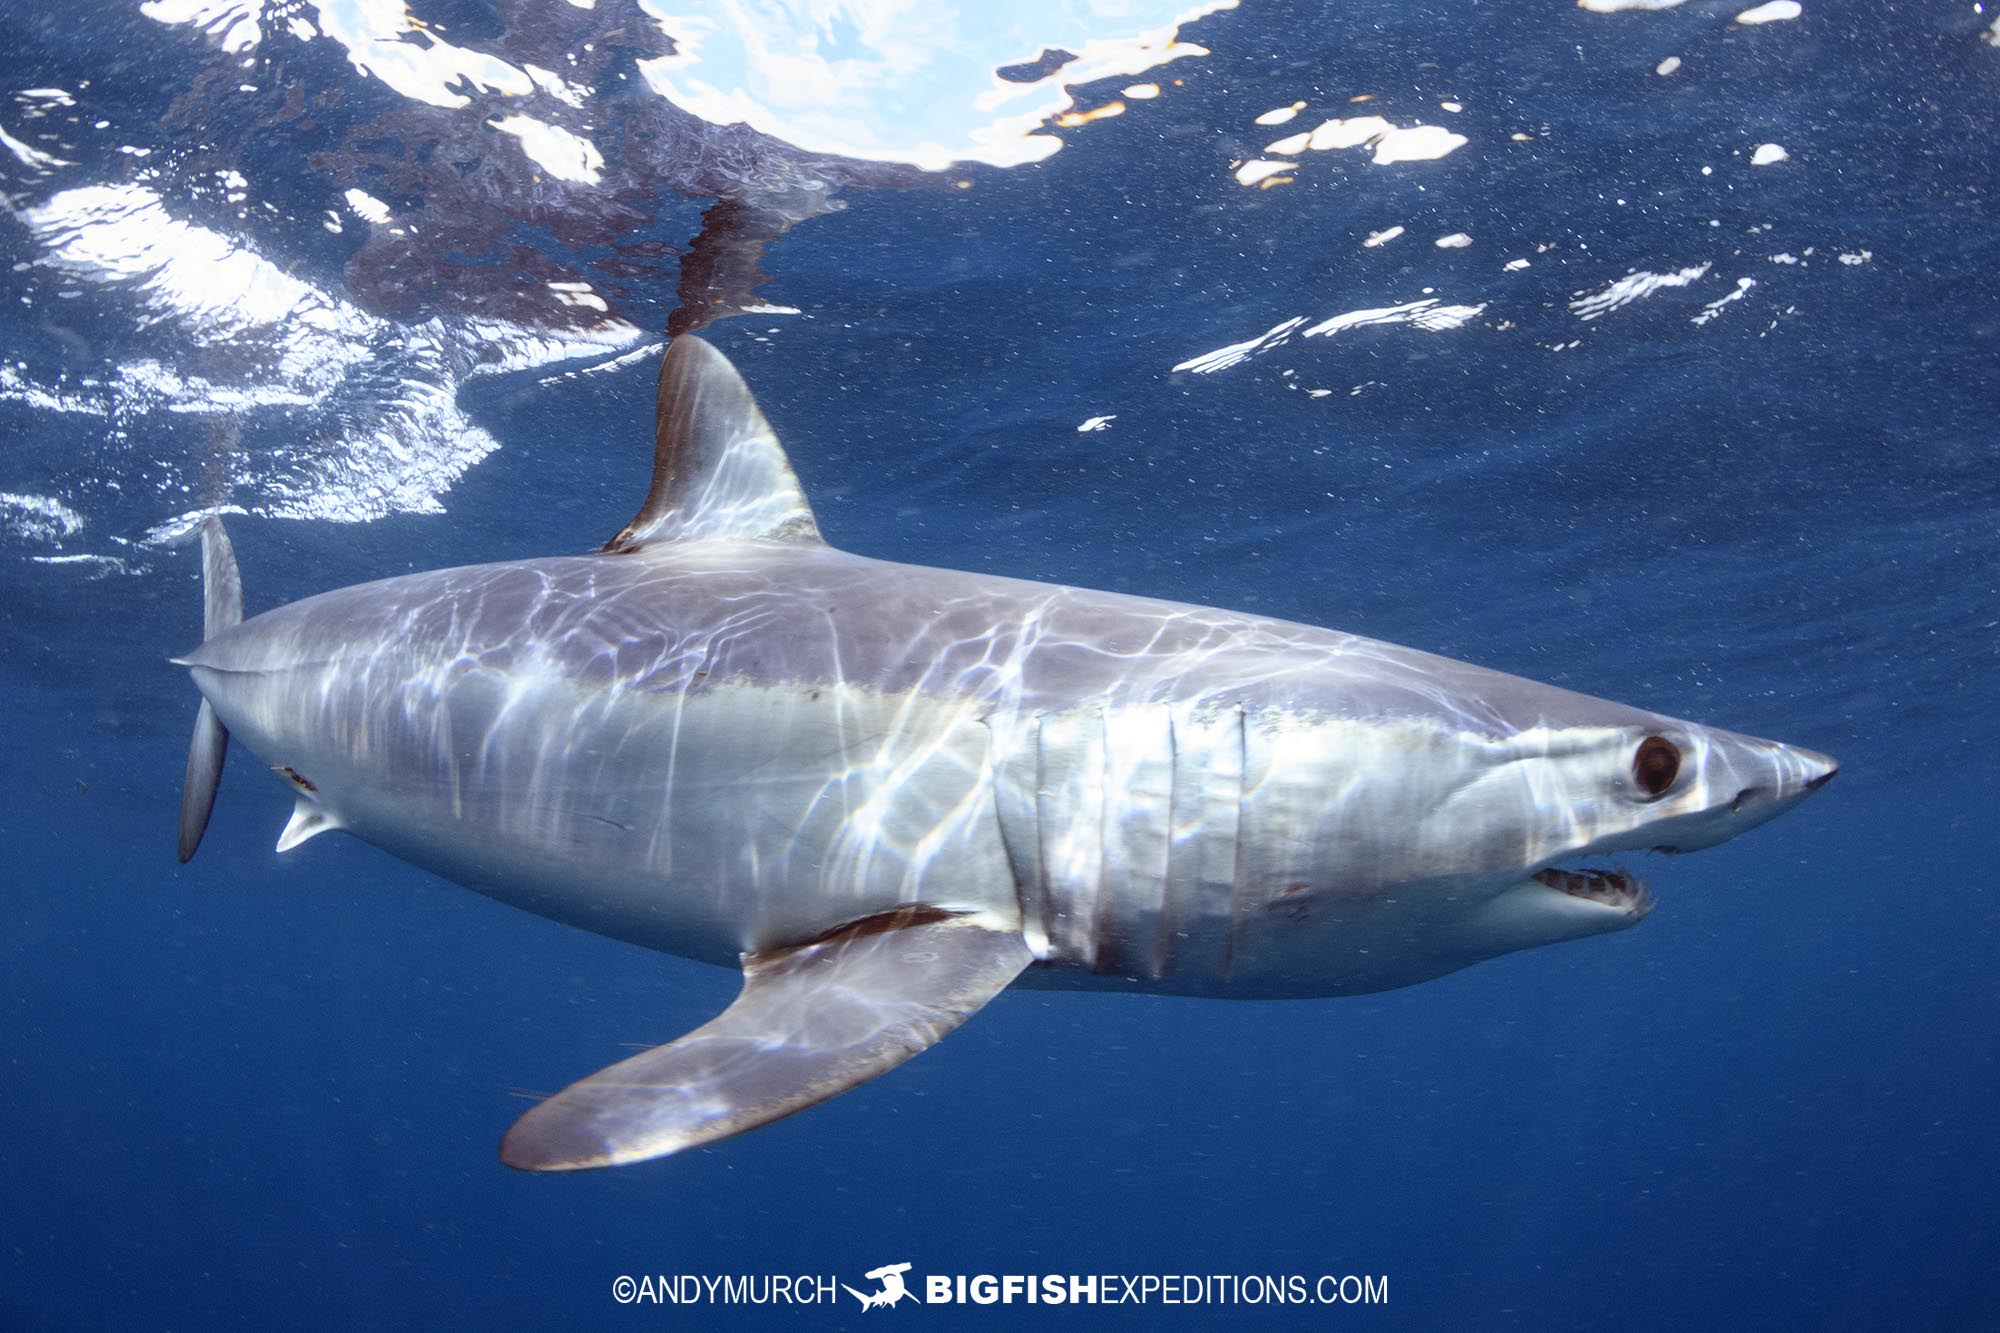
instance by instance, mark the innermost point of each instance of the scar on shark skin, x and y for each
(293, 776)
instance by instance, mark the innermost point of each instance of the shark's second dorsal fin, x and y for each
(718, 469)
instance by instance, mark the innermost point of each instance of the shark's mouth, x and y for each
(1612, 888)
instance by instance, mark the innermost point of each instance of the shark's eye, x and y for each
(1655, 765)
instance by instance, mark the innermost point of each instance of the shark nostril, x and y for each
(1743, 798)
(1814, 784)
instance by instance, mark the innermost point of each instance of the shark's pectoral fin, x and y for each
(812, 1021)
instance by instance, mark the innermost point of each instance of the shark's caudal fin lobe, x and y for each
(222, 594)
(718, 469)
(201, 778)
(812, 1021)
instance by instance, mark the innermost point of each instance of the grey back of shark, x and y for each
(886, 792)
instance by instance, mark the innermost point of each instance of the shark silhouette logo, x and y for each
(893, 1287)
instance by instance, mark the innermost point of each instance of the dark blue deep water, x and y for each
(264, 1091)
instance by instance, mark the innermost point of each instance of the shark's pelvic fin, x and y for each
(222, 594)
(812, 1021)
(718, 469)
(308, 820)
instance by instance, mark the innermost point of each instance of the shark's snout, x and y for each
(1791, 774)
(1741, 782)
(1807, 771)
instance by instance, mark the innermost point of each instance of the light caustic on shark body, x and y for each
(887, 792)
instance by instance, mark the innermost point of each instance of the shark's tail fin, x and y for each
(222, 593)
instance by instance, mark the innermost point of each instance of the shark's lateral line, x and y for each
(886, 791)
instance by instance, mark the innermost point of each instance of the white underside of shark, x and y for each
(887, 792)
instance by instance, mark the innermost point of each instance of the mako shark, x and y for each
(886, 792)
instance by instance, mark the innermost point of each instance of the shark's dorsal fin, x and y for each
(813, 1020)
(718, 469)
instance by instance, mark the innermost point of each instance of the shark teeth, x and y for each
(1613, 888)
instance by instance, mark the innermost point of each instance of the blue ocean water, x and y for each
(262, 1091)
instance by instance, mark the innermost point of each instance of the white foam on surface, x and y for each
(90, 566)
(1417, 143)
(117, 233)
(38, 518)
(1390, 143)
(1715, 307)
(17, 388)
(882, 80)
(562, 154)
(1777, 11)
(383, 40)
(366, 206)
(887, 80)
(903, 82)
(233, 23)
(254, 338)
(1632, 287)
(556, 86)
(1235, 354)
(1258, 170)
(30, 156)
(1428, 315)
